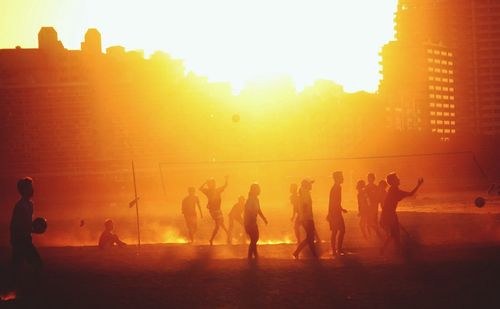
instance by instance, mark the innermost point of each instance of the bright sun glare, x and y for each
(226, 40)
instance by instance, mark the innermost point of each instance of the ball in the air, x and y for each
(39, 225)
(479, 202)
(236, 118)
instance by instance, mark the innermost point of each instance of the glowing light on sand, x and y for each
(171, 236)
(284, 241)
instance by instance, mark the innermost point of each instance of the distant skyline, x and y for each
(225, 40)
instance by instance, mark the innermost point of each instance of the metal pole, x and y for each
(136, 208)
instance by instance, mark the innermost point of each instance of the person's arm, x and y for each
(225, 183)
(419, 183)
(330, 201)
(202, 187)
(199, 207)
(262, 216)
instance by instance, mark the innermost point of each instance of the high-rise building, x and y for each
(92, 43)
(48, 40)
(418, 87)
(471, 31)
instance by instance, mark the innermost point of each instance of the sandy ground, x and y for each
(184, 276)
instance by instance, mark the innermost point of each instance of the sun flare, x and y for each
(227, 41)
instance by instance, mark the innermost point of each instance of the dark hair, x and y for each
(25, 186)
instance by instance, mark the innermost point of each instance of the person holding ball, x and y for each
(21, 227)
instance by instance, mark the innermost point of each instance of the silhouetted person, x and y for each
(335, 217)
(363, 208)
(109, 239)
(189, 204)
(213, 195)
(294, 201)
(20, 232)
(236, 214)
(306, 217)
(381, 193)
(252, 209)
(372, 194)
(389, 219)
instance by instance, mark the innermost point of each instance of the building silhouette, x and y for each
(48, 40)
(92, 43)
(470, 31)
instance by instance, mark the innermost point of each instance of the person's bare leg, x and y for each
(333, 241)
(214, 233)
(340, 244)
(297, 233)
(301, 246)
(230, 231)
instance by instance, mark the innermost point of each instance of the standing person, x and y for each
(381, 193)
(389, 219)
(294, 201)
(335, 217)
(252, 209)
(306, 218)
(189, 204)
(372, 194)
(20, 231)
(213, 194)
(236, 215)
(363, 208)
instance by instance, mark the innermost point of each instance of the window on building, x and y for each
(432, 95)
(452, 98)
(452, 122)
(431, 87)
(452, 105)
(446, 105)
(439, 88)
(439, 105)
(433, 113)
(446, 97)
(433, 121)
(432, 104)
(452, 89)
(453, 131)
(438, 96)
(450, 62)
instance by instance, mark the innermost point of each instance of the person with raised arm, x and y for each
(213, 194)
(389, 218)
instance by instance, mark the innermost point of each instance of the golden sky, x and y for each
(225, 40)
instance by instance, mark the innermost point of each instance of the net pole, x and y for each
(136, 208)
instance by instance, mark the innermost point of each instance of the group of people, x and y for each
(371, 197)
